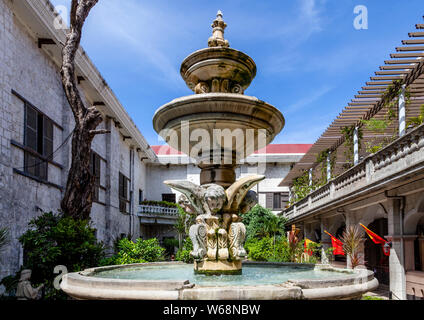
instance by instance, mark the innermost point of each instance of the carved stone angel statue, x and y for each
(25, 291)
(219, 234)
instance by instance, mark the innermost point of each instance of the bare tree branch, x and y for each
(100, 131)
(78, 197)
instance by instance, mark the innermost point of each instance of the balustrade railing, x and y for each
(405, 152)
(148, 210)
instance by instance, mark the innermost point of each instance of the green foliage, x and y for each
(183, 254)
(139, 251)
(272, 250)
(182, 226)
(379, 126)
(163, 204)
(10, 284)
(322, 160)
(261, 222)
(170, 245)
(351, 239)
(301, 188)
(348, 133)
(57, 240)
(376, 125)
(416, 121)
(371, 298)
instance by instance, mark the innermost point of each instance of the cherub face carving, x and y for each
(215, 198)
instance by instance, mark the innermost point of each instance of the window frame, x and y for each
(173, 195)
(37, 155)
(95, 170)
(123, 187)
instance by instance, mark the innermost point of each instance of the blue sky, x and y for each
(310, 58)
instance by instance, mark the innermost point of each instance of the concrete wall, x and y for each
(30, 72)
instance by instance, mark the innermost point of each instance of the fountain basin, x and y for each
(218, 62)
(224, 111)
(259, 281)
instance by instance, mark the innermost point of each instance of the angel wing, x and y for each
(193, 192)
(238, 190)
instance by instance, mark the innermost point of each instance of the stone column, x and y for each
(355, 146)
(402, 112)
(396, 259)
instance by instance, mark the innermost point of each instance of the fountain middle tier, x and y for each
(218, 130)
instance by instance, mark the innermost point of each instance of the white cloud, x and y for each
(308, 99)
(306, 21)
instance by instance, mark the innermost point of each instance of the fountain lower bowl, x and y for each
(259, 281)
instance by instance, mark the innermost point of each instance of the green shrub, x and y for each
(261, 222)
(57, 240)
(260, 249)
(163, 204)
(170, 244)
(183, 254)
(139, 251)
(273, 250)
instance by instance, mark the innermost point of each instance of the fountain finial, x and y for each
(217, 39)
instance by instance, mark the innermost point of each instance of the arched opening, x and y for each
(375, 259)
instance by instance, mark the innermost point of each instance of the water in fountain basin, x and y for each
(252, 275)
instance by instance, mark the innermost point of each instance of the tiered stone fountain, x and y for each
(218, 75)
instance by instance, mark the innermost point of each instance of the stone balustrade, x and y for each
(402, 157)
(146, 210)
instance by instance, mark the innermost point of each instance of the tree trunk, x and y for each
(78, 197)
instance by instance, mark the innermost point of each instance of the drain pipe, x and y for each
(401, 217)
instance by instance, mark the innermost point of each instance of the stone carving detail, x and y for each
(217, 85)
(237, 89)
(219, 233)
(237, 236)
(217, 39)
(201, 87)
(198, 238)
(25, 291)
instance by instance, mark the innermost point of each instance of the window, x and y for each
(38, 138)
(169, 197)
(277, 200)
(123, 193)
(140, 196)
(95, 171)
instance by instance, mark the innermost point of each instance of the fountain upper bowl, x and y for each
(218, 63)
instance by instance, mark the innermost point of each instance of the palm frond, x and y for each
(4, 237)
(351, 239)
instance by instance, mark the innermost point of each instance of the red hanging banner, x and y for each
(337, 245)
(377, 240)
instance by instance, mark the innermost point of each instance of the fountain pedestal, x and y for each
(217, 267)
(218, 126)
